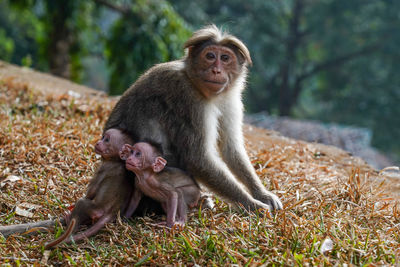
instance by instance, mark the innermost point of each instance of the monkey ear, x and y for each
(159, 164)
(189, 51)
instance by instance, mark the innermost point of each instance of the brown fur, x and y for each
(107, 194)
(173, 188)
(198, 127)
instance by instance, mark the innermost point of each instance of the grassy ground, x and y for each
(335, 212)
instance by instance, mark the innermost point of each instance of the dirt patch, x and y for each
(45, 83)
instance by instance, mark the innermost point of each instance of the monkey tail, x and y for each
(64, 236)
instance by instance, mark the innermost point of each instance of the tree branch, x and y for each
(29, 228)
(123, 10)
(337, 61)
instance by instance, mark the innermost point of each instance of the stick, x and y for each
(29, 228)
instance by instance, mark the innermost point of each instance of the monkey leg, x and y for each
(67, 217)
(181, 213)
(191, 194)
(172, 205)
(87, 211)
(92, 230)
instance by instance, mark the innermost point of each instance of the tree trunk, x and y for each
(293, 41)
(60, 38)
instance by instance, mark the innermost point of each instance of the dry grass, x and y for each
(47, 142)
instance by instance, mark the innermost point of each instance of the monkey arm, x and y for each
(239, 163)
(235, 156)
(214, 173)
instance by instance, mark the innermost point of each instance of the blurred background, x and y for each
(324, 70)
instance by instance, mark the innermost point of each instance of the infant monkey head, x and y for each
(142, 157)
(111, 143)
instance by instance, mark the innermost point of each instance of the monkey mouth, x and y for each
(221, 83)
(130, 166)
(215, 87)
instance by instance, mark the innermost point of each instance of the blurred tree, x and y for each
(291, 41)
(18, 33)
(64, 21)
(53, 29)
(65, 32)
(147, 32)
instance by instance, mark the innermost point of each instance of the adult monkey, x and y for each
(192, 107)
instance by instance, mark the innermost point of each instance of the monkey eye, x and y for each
(210, 56)
(138, 154)
(225, 58)
(106, 139)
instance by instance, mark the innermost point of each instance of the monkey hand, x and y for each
(270, 199)
(125, 151)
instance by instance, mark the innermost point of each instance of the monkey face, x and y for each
(107, 147)
(136, 159)
(142, 157)
(102, 146)
(215, 67)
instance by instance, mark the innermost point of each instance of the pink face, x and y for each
(137, 159)
(141, 157)
(110, 144)
(216, 66)
(104, 146)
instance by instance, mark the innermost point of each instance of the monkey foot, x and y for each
(179, 224)
(67, 217)
(176, 225)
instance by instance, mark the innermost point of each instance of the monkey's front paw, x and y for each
(271, 200)
(125, 151)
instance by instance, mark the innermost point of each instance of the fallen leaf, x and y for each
(10, 179)
(23, 213)
(24, 209)
(45, 258)
(326, 246)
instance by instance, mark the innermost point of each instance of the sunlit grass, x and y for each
(47, 141)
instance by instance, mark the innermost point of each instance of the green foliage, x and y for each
(19, 32)
(6, 46)
(150, 33)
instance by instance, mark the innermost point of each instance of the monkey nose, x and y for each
(216, 70)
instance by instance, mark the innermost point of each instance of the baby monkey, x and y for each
(108, 192)
(172, 187)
